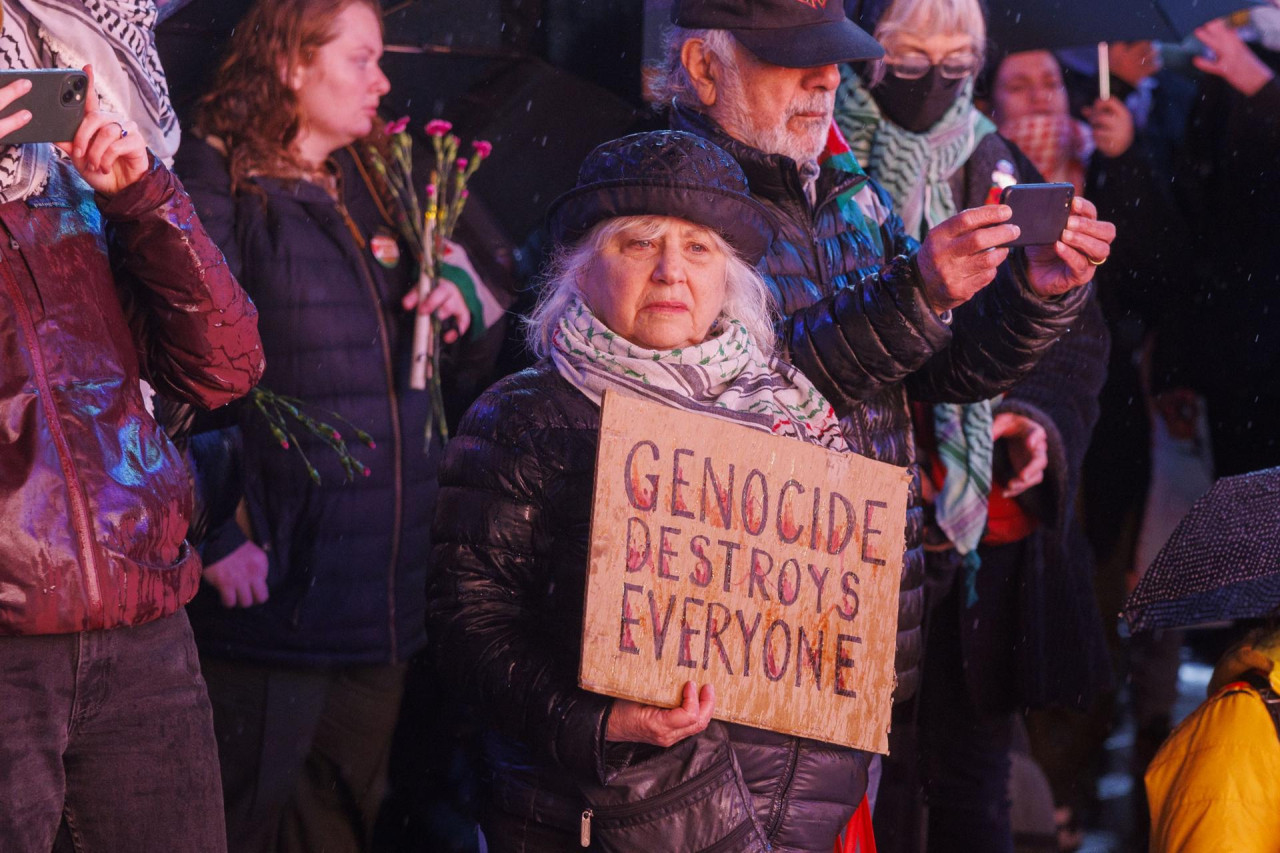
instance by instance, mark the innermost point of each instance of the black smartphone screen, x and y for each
(1040, 210)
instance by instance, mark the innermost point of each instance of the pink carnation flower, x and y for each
(462, 163)
(483, 148)
(438, 127)
(397, 126)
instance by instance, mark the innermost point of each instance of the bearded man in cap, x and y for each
(873, 318)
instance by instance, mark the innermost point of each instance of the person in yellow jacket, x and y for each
(1215, 783)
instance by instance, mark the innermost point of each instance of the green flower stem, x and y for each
(278, 410)
(426, 230)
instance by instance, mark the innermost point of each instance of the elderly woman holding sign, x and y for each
(652, 294)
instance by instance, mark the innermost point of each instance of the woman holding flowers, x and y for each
(314, 595)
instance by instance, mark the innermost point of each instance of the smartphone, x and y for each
(1040, 210)
(56, 102)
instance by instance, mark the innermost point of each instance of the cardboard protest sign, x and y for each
(766, 566)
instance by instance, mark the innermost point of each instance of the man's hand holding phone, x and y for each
(107, 151)
(959, 256)
(1070, 261)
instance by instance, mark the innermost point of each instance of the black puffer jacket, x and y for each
(857, 324)
(505, 607)
(348, 561)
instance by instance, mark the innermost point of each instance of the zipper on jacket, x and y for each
(656, 803)
(784, 790)
(393, 402)
(855, 417)
(626, 810)
(733, 842)
(75, 492)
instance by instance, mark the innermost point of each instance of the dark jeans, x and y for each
(303, 752)
(111, 731)
(964, 751)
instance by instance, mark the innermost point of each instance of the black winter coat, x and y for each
(857, 324)
(505, 606)
(348, 560)
(1228, 185)
(1043, 632)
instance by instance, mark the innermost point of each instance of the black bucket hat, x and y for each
(664, 173)
(790, 33)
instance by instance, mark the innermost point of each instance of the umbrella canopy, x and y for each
(166, 8)
(1015, 25)
(1185, 15)
(1222, 561)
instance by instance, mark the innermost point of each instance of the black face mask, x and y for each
(916, 105)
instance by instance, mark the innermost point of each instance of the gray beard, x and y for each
(775, 139)
(771, 137)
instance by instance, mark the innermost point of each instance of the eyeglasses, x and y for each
(955, 66)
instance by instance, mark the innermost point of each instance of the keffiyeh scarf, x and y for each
(913, 167)
(725, 376)
(1057, 145)
(117, 38)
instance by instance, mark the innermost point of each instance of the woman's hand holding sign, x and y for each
(637, 723)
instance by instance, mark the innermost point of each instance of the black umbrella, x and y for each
(1222, 561)
(1015, 25)
(1185, 15)
(166, 8)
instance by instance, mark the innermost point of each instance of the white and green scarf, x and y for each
(915, 168)
(725, 376)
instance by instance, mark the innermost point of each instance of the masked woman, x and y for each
(652, 292)
(1009, 579)
(314, 601)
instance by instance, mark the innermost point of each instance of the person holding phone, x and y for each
(872, 315)
(1006, 567)
(106, 278)
(314, 598)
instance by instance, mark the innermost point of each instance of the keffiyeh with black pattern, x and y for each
(117, 38)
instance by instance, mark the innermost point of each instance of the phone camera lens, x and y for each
(68, 97)
(77, 84)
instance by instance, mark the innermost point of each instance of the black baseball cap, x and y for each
(790, 33)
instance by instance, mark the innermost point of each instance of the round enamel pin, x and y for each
(385, 249)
